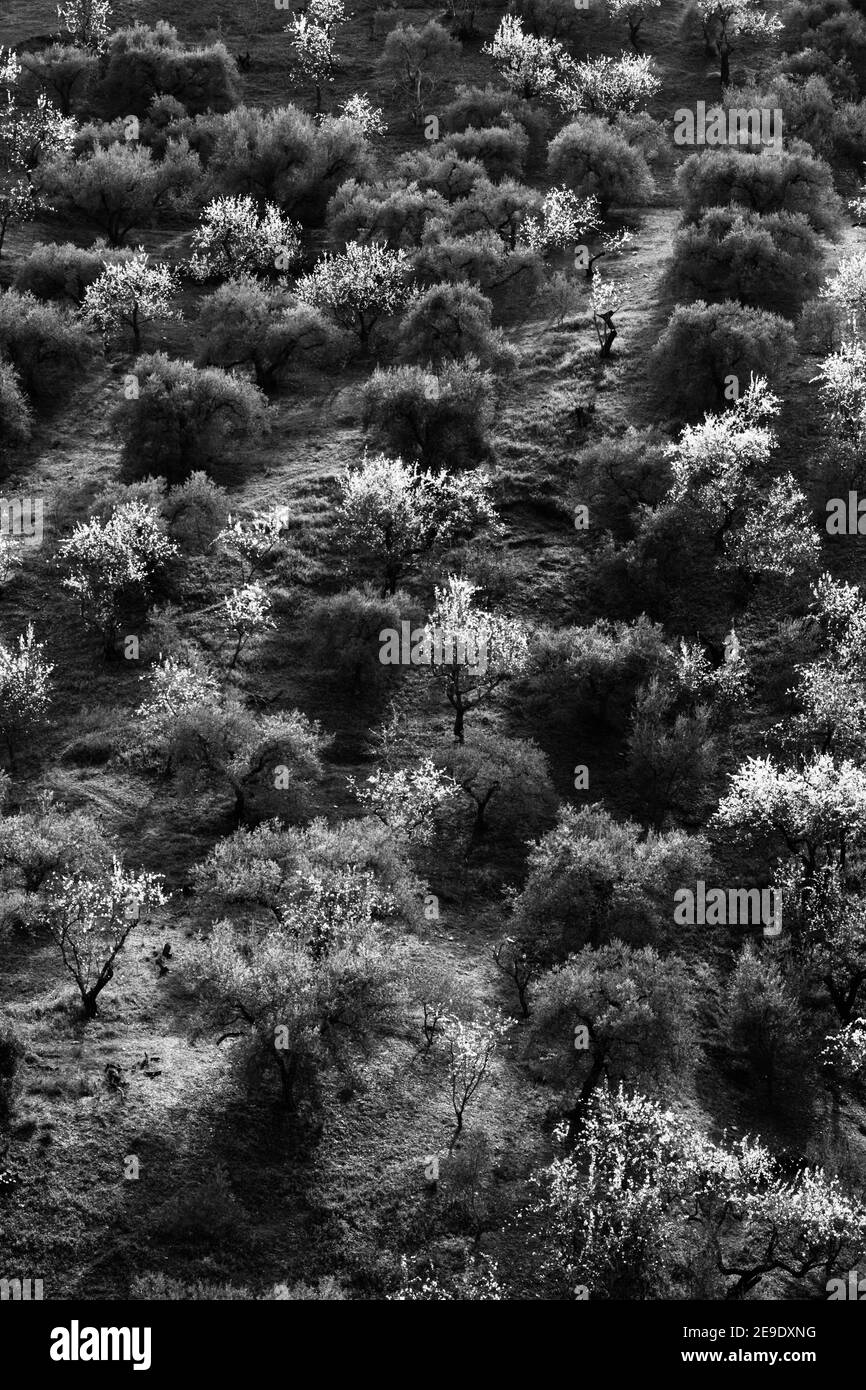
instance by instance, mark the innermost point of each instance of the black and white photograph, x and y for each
(432, 666)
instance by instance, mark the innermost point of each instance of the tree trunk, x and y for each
(575, 1115)
(725, 62)
(88, 999)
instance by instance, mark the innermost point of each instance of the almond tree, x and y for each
(604, 86)
(472, 650)
(634, 12)
(25, 685)
(129, 294)
(817, 812)
(86, 21)
(470, 1045)
(90, 919)
(846, 289)
(234, 238)
(759, 1221)
(612, 1214)
(532, 67)
(392, 514)
(360, 109)
(313, 36)
(726, 20)
(257, 541)
(607, 300)
(407, 799)
(563, 220)
(29, 136)
(247, 613)
(362, 285)
(721, 479)
(108, 563)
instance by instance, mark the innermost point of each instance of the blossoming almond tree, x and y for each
(25, 683)
(313, 37)
(107, 563)
(247, 613)
(532, 67)
(392, 513)
(563, 219)
(362, 285)
(725, 20)
(90, 919)
(603, 86)
(470, 1046)
(634, 12)
(473, 650)
(86, 21)
(129, 294)
(28, 136)
(234, 239)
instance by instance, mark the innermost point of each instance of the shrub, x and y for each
(480, 260)
(63, 73)
(619, 475)
(418, 63)
(187, 724)
(245, 322)
(637, 1009)
(120, 187)
(763, 183)
(592, 157)
(671, 754)
(65, 272)
(763, 260)
(762, 1018)
(703, 346)
(142, 62)
(501, 149)
(183, 416)
(379, 211)
(11, 1055)
(196, 512)
(15, 417)
(309, 992)
(593, 879)
(481, 107)
(158, 1287)
(452, 321)
(281, 156)
(51, 840)
(437, 419)
(500, 207)
(441, 171)
(505, 781)
(46, 346)
(344, 635)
